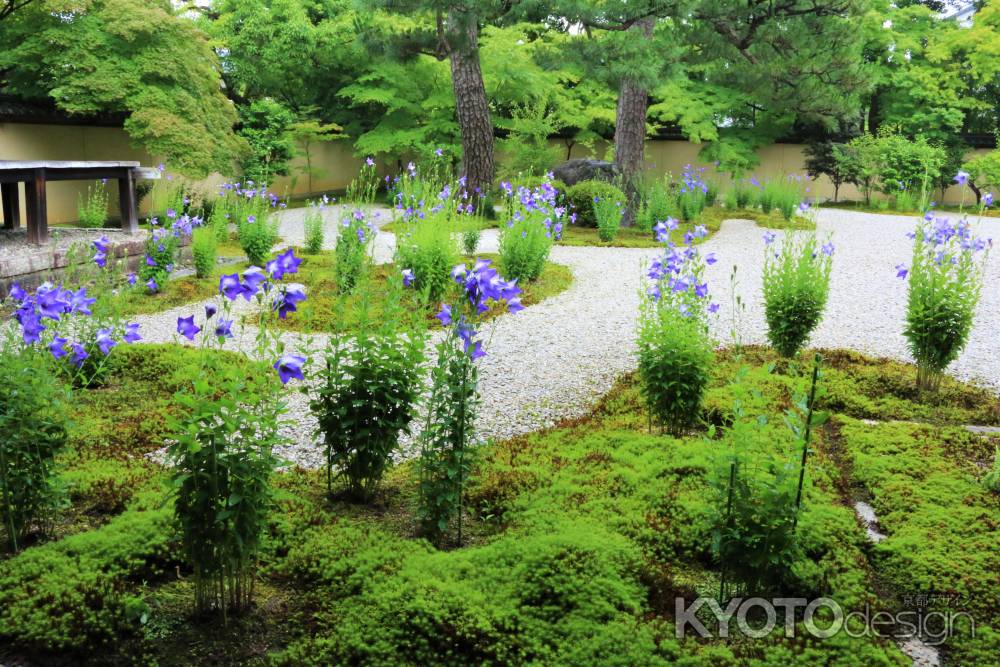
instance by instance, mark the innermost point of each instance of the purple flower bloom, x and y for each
(80, 303)
(79, 354)
(710, 259)
(151, 284)
(150, 261)
(101, 256)
(961, 177)
(769, 238)
(224, 328)
(284, 263)
(132, 333)
(514, 305)
(827, 249)
(408, 277)
(445, 314)
(289, 366)
(291, 295)
(104, 341)
(17, 293)
(713, 308)
(370, 162)
(988, 199)
(701, 291)
(251, 219)
(58, 347)
(132, 278)
(438, 152)
(229, 285)
(901, 271)
(252, 279)
(187, 328)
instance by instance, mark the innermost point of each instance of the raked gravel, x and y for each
(552, 360)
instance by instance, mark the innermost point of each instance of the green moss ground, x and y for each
(578, 538)
(324, 311)
(712, 218)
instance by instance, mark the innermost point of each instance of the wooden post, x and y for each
(11, 205)
(37, 215)
(127, 204)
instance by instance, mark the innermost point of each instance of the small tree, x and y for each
(858, 160)
(307, 133)
(266, 125)
(822, 160)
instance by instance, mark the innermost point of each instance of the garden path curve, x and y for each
(552, 360)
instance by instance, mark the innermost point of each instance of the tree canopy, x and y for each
(131, 56)
(232, 84)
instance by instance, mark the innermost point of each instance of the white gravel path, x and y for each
(555, 358)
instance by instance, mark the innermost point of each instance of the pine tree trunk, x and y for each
(630, 128)
(471, 105)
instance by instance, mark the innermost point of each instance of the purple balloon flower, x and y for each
(445, 314)
(80, 303)
(408, 277)
(104, 341)
(988, 199)
(961, 177)
(132, 333)
(79, 355)
(58, 347)
(17, 293)
(186, 327)
(289, 366)
(210, 310)
(224, 328)
(101, 256)
(229, 285)
(291, 295)
(132, 278)
(151, 284)
(901, 271)
(252, 280)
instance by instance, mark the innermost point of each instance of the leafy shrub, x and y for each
(740, 195)
(313, 229)
(654, 205)
(93, 210)
(351, 252)
(160, 258)
(71, 596)
(692, 196)
(366, 394)
(788, 195)
(675, 352)
(675, 356)
(533, 225)
(33, 404)
(222, 453)
(945, 282)
(428, 248)
(581, 198)
(204, 249)
(796, 287)
(609, 218)
(257, 234)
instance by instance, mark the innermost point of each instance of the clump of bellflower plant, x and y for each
(222, 449)
(351, 254)
(250, 207)
(534, 223)
(313, 226)
(674, 348)
(446, 456)
(692, 195)
(796, 288)
(430, 222)
(57, 334)
(365, 394)
(945, 283)
(608, 214)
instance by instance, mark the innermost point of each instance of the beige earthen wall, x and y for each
(334, 160)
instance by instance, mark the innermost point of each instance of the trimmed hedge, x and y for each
(580, 197)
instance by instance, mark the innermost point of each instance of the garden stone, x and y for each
(574, 171)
